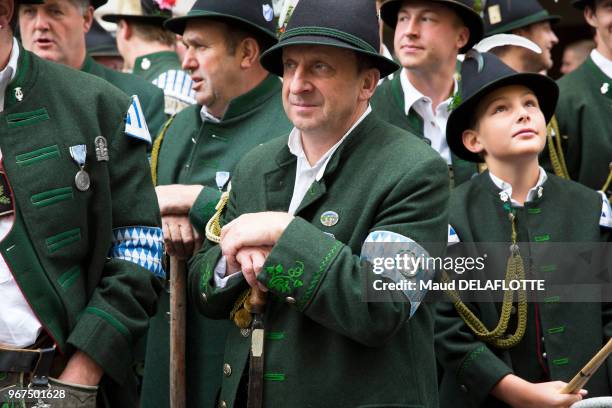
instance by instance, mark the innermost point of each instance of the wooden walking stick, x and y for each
(584, 375)
(178, 317)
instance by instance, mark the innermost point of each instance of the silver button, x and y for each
(544, 354)
(222, 404)
(193, 139)
(290, 300)
(245, 332)
(463, 388)
(227, 370)
(204, 297)
(168, 316)
(186, 166)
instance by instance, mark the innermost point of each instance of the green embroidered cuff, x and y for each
(298, 262)
(204, 208)
(479, 372)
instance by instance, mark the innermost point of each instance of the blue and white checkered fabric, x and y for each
(606, 212)
(176, 84)
(143, 246)
(135, 122)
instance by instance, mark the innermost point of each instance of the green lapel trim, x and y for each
(156, 58)
(24, 79)
(599, 77)
(268, 88)
(414, 121)
(110, 319)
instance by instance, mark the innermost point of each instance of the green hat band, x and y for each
(328, 32)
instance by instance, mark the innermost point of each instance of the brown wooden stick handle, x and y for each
(257, 300)
(178, 314)
(588, 370)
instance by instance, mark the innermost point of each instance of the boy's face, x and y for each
(601, 20)
(510, 126)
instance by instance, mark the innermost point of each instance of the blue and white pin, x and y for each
(268, 12)
(79, 155)
(329, 218)
(221, 179)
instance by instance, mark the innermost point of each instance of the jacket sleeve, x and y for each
(125, 295)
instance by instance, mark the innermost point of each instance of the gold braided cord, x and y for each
(608, 182)
(213, 226)
(498, 337)
(157, 147)
(555, 150)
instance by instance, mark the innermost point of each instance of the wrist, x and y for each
(510, 390)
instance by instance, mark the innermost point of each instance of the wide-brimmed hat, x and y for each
(482, 74)
(153, 12)
(464, 8)
(100, 43)
(503, 16)
(253, 15)
(326, 22)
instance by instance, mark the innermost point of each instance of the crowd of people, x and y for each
(270, 156)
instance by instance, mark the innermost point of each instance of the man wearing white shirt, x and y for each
(300, 209)
(428, 37)
(585, 105)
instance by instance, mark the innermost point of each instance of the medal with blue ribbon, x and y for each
(79, 155)
(221, 179)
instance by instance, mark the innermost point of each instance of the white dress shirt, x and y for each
(305, 175)
(8, 73)
(602, 63)
(506, 193)
(434, 123)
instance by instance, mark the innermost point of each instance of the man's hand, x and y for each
(252, 230)
(250, 260)
(519, 393)
(81, 370)
(177, 198)
(180, 238)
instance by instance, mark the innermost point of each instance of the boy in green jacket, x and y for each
(502, 121)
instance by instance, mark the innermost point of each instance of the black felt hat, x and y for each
(145, 11)
(466, 10)
(253, 15)
(503, 16)
(100, 43)
(482, 74)
(325, 22)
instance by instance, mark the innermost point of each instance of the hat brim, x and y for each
(524, 22)
(545, 89)
(178, 24)
(471, 19)
(272, 59)
(114, 18)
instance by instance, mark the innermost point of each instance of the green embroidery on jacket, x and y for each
(206, 276)
(3, 198)
(274, 377)
(473, 355)
(284, 283)
(317, 275)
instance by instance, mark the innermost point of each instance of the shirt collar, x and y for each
(413, 95)
(506, 193)
(207, 117)
(9, 72)
(297, 149)
(602, 62)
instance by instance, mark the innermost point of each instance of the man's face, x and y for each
(55, 30)
(542, 34)
(570, 62)
(321, 89)
(511, 125)
(601, 20)
(427, 35)
(213, 69)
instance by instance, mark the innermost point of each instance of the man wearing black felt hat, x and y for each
(428, 37)
(300, 209)
(238, 107)
(62, 40)
(528, 19)
(585, 105)
(148, 49)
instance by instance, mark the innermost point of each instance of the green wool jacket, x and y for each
(388, 103)
(584, 113)
(64, 250)
(192, 152)
(325, 345)
(569, 333)
(163, 69)
(151, 98)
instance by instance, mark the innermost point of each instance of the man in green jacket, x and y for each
(428, 37)
(148, 50)
(585, 105)
(81, 244)
(300, 208)
(56, 31)
(239, 107)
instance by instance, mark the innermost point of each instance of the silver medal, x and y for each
(82, 180)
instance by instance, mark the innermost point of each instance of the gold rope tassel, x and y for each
(213, 226)
(498, 337)
(555, 150)
(607, 183)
